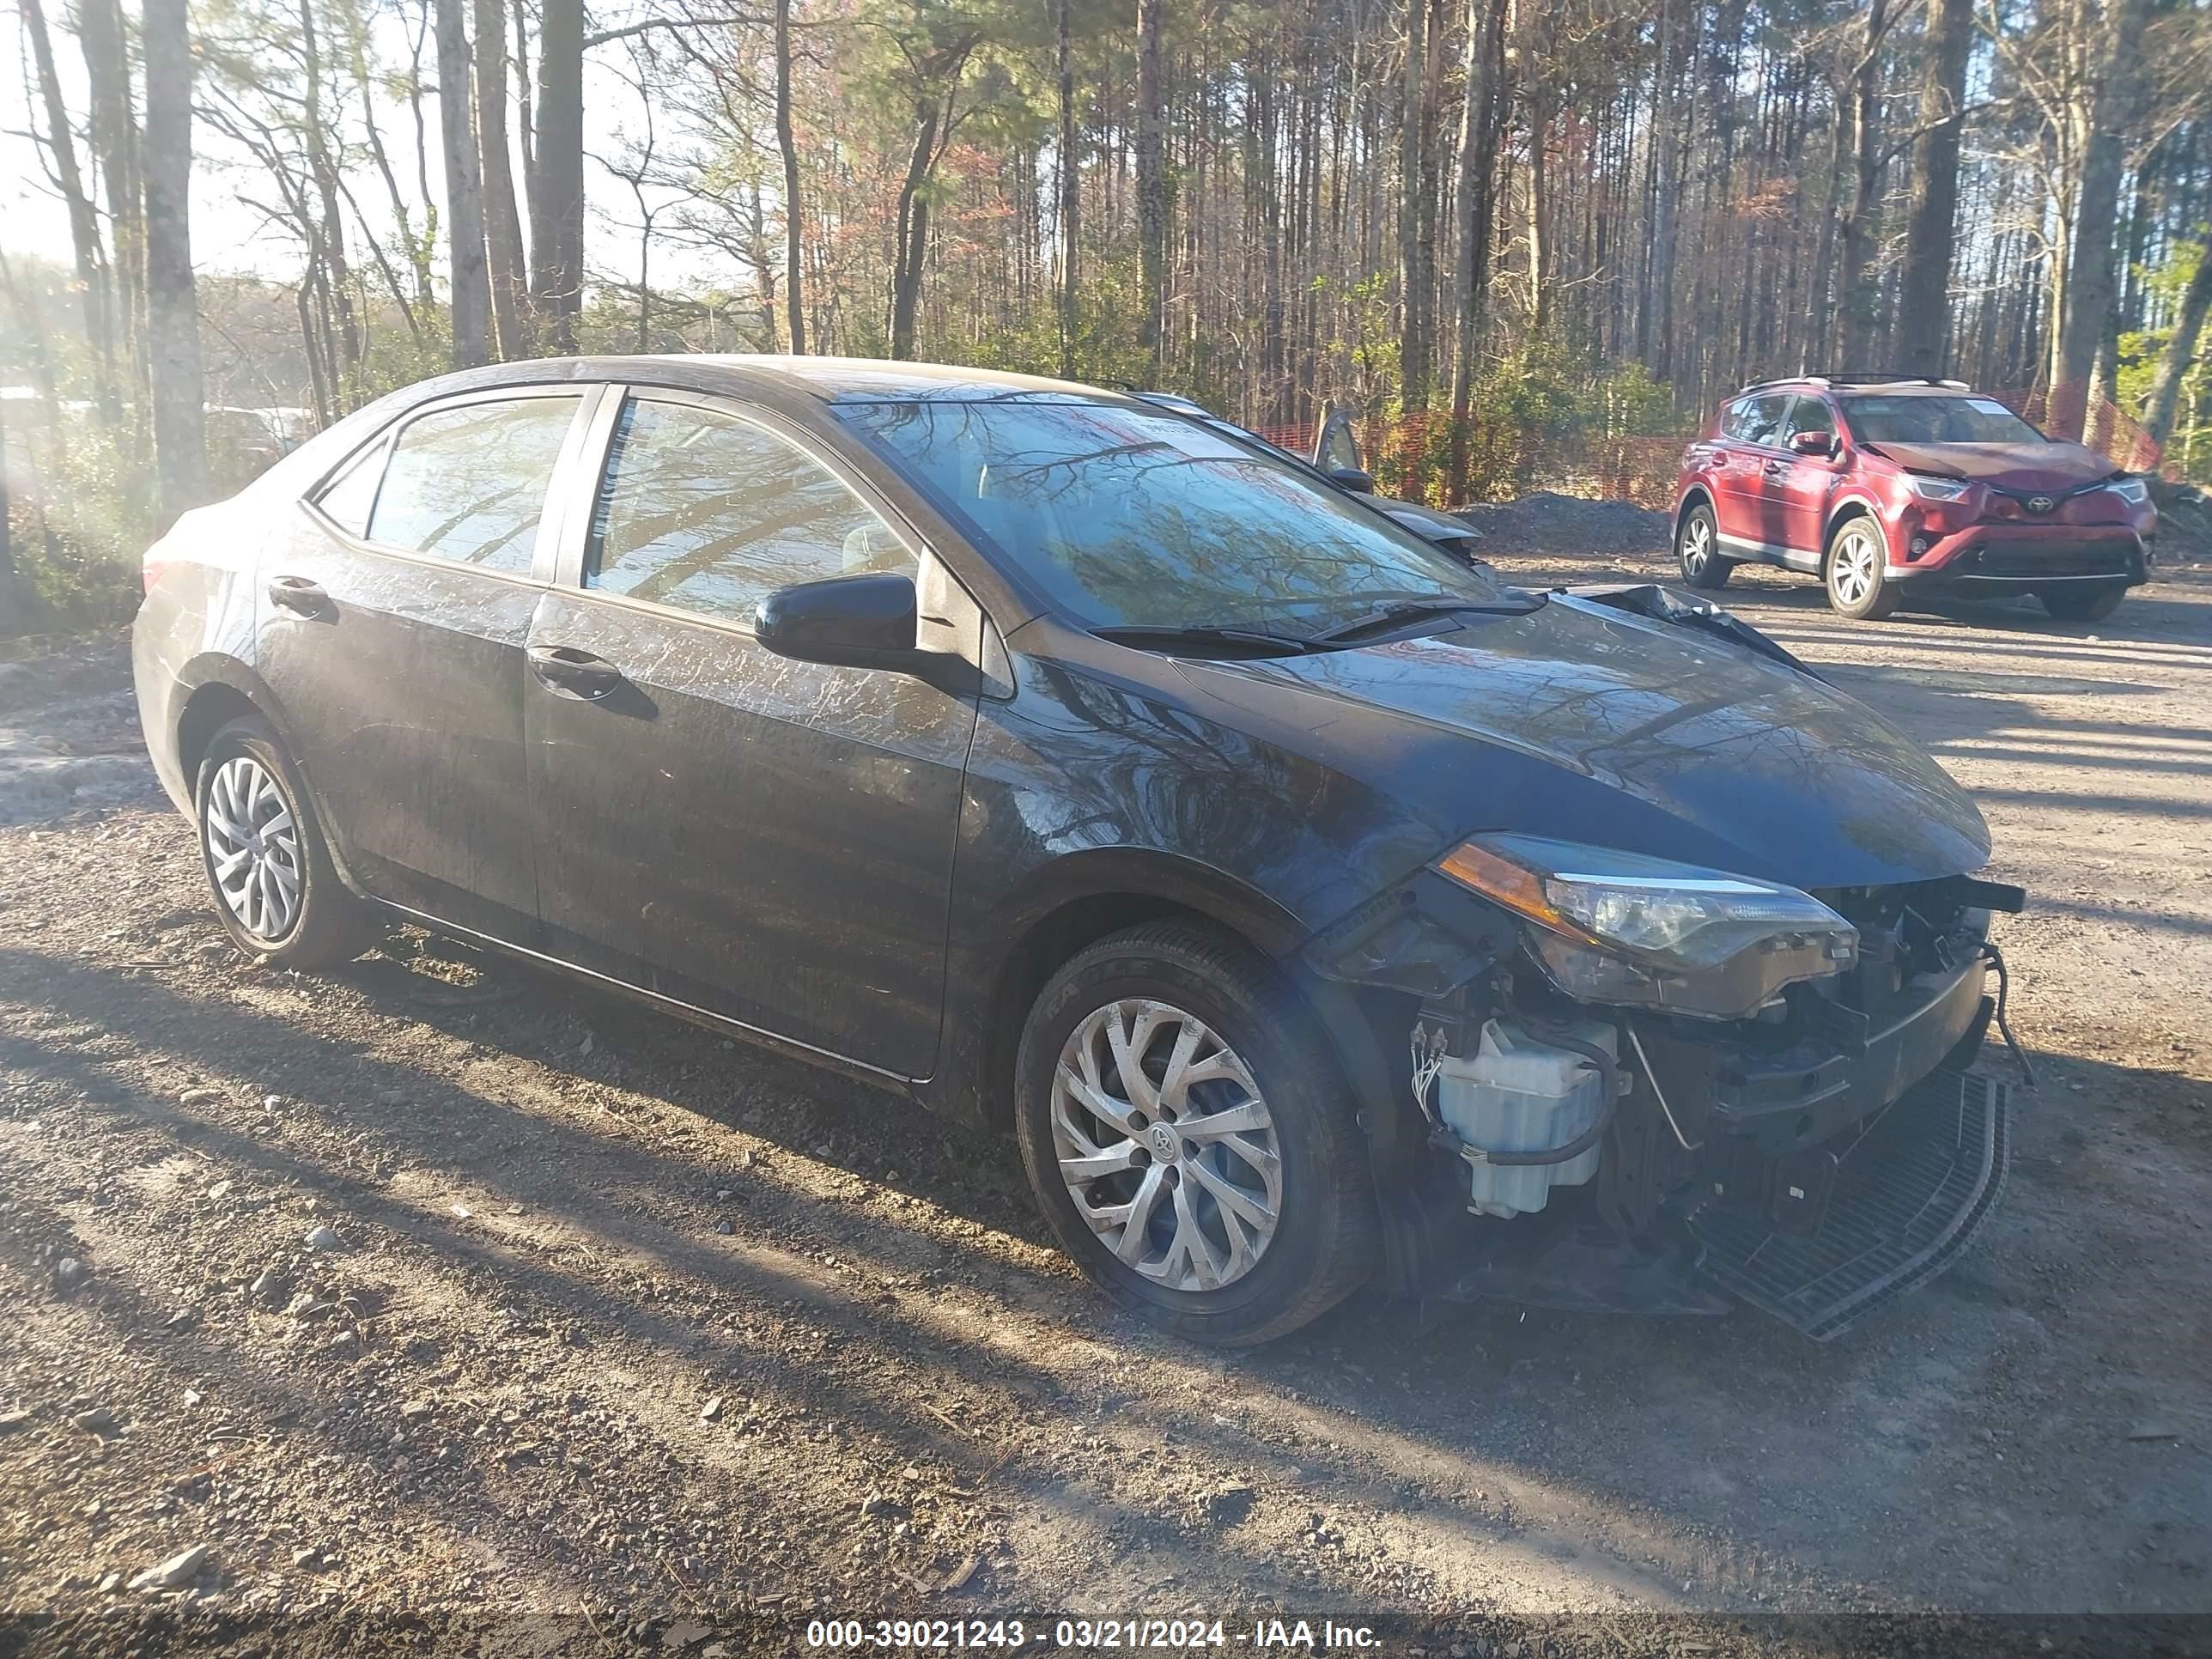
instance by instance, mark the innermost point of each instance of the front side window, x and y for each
(469, 483)
(710, 513)
(1810, 414)
(1926, 419)
(1132, 518)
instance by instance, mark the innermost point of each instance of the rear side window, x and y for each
(710, 513)
(1757, 420)
(469, 483)
(349, 496)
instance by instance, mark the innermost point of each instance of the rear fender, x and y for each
(210, 670)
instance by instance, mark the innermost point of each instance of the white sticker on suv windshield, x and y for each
(1987, 405)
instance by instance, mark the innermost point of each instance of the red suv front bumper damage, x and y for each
(2003, 550)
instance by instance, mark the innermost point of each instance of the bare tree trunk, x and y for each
(1931, 215)
(1071, 184)
(416, 248)
(1413, 345)
(173, 304)
(794, 304)
(92, 273)
(1540, 123)
(557, 222)
(1471, 263)
(1152, 183)
(2104, 98)
(2174, 363)
(502, 227)
(1856, 239)
(913, 230)
(324, 170)
(114, 141)
(526, 132)
(464, 230)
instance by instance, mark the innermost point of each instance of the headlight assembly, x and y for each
(2133, 491)
(1939, 490)
(1618, 928)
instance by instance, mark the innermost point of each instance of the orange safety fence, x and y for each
(1427, 457)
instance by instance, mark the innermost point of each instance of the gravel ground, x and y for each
(435, 1301)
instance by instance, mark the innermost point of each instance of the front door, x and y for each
(393, 613)
(768, 840)
(1802, 487)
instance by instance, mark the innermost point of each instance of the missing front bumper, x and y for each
(1902, 1201)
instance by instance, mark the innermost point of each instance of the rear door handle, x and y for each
(298, 595)
(1773, 467)
(568, 669)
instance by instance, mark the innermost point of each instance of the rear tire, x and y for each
(2082, 603)
(1272, 1205)
(275, 889)
(1853, 572)
(1696, 550)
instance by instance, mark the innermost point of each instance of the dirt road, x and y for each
(625, 1338)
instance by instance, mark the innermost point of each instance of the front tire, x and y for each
(275, 888)
(1853, 570)
(2084, 603)
(1696, 550)
(1190, 1138)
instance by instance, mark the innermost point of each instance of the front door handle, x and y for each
(568, 669)
(298, 595)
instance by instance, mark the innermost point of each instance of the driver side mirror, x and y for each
(1353, 479)
(1820, 442)
(866, 621)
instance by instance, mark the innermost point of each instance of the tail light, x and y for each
(150, 572)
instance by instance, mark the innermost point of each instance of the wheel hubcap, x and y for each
(1166, 1146)
(1697, 543)
(1854, 576)
(253, 847)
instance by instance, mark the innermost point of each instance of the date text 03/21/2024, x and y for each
(1167, 1635)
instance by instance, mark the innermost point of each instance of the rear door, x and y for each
(1748, 429)
(393, 614)
(768, 840)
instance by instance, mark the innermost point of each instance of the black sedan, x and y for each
(1309, 904)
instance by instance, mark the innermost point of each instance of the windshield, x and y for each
(1925, 420)
(1129, 518)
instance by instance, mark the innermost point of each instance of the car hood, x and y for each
(1426, 521)
(1590, 725)
(2009, 467)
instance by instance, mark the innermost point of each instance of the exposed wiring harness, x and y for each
(1995, 959)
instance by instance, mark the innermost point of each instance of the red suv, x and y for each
(1898, 490)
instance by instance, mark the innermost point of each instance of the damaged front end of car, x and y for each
(1634, 1084)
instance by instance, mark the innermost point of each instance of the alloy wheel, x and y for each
(1697, 545)
(253, 847)
(1856, 568)
(1166, 1145)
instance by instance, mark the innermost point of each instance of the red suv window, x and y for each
(1757, 420)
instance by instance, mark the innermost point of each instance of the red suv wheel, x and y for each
(1857, 586)
(1698, 550)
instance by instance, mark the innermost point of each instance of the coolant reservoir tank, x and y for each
(1517, 1093)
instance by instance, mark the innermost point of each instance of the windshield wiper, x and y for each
(1202, 634)
(1511, 602)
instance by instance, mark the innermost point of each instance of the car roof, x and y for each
(832, 379)
(1846, 386)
